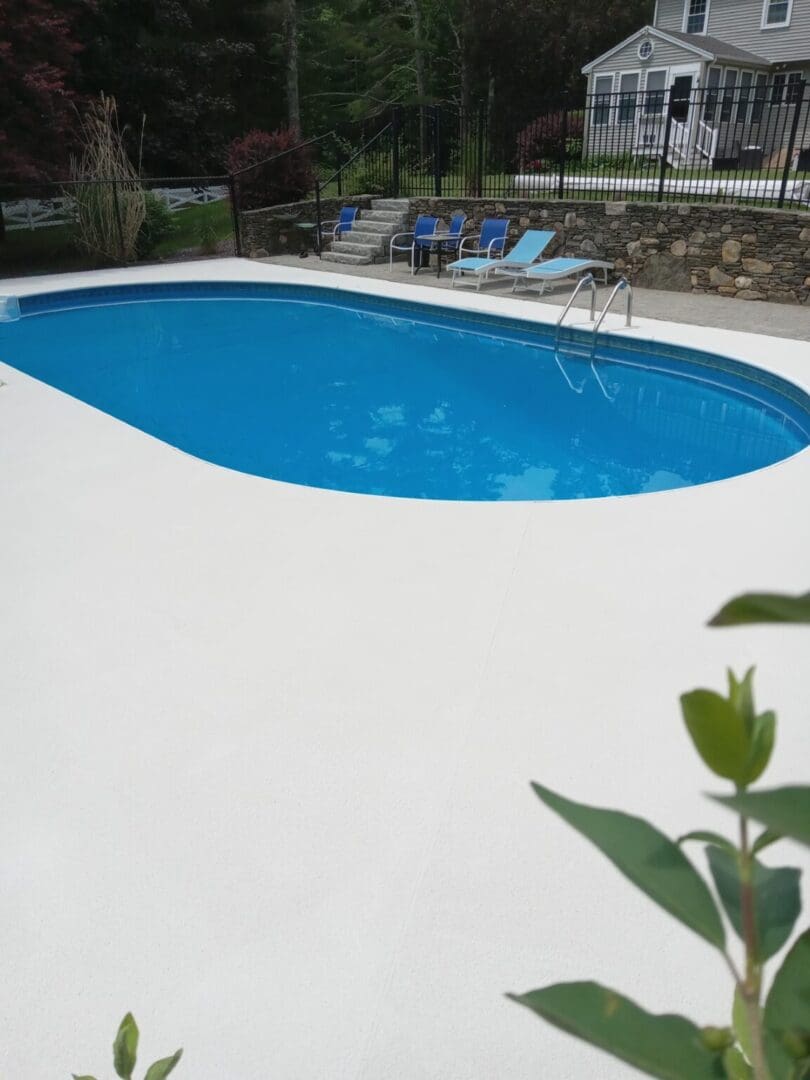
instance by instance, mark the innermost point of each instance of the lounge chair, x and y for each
(417, 243)
(555, 270)
(527, 250)
(334, 230)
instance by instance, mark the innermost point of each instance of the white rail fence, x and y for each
(45, 213)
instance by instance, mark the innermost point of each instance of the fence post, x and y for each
(563, 146)
(395, 120)
(318, 218)
(237, 226)
(437, 151)
(665, 148)
(119, 226)
(794, 127)
(479, 179)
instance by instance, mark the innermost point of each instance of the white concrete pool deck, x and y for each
(267, 748)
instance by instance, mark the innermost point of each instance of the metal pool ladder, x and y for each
(621, 284)
(588, 279)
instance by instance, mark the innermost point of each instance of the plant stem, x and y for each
(750, 986)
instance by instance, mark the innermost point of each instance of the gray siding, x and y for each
(738, 23)
(663, 56)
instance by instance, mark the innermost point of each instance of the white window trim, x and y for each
(610, 103)
(705, 29)
(664, 90)
(765, 25)
(632, 71)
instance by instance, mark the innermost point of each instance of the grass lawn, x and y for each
(54, 250)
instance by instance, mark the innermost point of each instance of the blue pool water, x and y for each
(340, 391)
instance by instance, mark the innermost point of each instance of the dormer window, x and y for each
(776, 13)
(695, 16)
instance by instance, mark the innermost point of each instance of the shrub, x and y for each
(207, 237)
(538, 144)
(157, 224)
(288, 179)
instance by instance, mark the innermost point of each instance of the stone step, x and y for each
(339, 257)
(394, 217)
(379, 228)
(349, 247)
(402, 205)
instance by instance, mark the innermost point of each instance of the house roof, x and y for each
(708, 48)
(720, 49)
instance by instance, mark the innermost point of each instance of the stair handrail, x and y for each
(319, 187)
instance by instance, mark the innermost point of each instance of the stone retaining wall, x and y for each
(272, 230)
(750, 254)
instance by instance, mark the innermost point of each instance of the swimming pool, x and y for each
(338, 390)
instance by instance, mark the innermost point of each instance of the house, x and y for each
(721, 82)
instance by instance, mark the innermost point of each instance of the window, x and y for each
(744, 99)
(603, 85)
(645, 49)
(776, 13)
(787, 88)
(656, 90)
(727, 106)
(695, 16)
(760, 96)
(628, 95)
(712, 94)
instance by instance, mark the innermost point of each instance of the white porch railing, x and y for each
(679, 143)
(707, 138)
(45, 213)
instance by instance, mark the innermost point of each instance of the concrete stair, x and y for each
(371, 233)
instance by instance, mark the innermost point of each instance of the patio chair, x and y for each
(527, 250)
(556, 270)
(334, 229)
(416, 242)
(455, 234)
(490, 242)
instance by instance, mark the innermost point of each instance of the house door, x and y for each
(683, 81)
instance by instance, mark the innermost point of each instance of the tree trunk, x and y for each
(419, 65)
(291, 50)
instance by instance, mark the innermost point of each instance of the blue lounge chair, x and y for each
(527, 250)
(416, 242)
(335, 228)
(555, 270)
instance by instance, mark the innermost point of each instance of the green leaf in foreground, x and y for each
(737, 1068)
(669, 1047)
(706, 837)
(77, 1077)
(125, 1047)
(159, 1070)
(784, 810)
(718, 732)
(787, 1009)
(763, 608)
(777, 898)
(649, 859)
(765, 839)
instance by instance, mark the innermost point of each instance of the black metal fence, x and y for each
(743, 144)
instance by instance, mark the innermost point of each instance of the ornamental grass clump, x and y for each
(111, 203)
(765, 1034)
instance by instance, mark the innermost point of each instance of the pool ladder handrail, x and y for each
(588, 279)
(621, 285)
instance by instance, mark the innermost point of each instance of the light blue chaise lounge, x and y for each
(554, 270)
(526, 251)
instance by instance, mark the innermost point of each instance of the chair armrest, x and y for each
(398, 236)
(475, 236)
(499, 240)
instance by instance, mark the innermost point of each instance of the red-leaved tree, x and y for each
(37, 58)
(287, 179)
